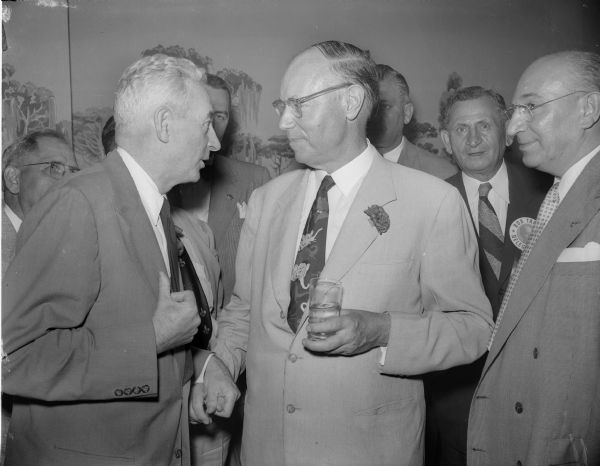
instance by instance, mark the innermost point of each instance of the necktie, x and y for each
(171, 237)
(490, 232)
(310, 258)
(191, 282)
(547, 208)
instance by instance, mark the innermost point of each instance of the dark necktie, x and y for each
(171, 237)
(490, 233)
(310, 258)
(191, 282)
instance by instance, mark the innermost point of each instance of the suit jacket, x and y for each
(232, 182)
(449, 392)
(9, 240)
(538, 400)
(414, 157)
(304, 408)
(78, 301)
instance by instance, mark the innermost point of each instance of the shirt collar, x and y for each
(394, 154)
(571, 175)
(14, 218)
(347, 176)
(499, 183)
(152, 199)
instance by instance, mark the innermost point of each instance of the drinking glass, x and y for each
(324, 302)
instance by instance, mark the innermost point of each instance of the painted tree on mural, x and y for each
(87, 130)
(25, 107)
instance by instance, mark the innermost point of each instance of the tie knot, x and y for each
(326, 184)
(484, 189)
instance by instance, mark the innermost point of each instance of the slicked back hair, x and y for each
(353, 65)
(386, 71)
(469, 93)
(26, 145)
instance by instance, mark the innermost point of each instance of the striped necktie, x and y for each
(490, 232)
(547, 208)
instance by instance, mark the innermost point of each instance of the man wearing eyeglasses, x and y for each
(503, 199)
(31, 166)
(538, 401)
(400, 243)
(386, 126)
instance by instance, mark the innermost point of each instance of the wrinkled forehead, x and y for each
(309, 72)
(473, 110)
(52, 150)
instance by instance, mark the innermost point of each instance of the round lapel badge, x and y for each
(520, 230)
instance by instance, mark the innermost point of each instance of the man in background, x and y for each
(96, 341)
(385, 130)
(503, 199)
(538, 400)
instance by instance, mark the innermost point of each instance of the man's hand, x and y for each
(353, 332)
(176, 316)
(217, 395)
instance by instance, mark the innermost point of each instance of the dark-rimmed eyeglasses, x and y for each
(526, 111)
(295, 103)
(55, 169)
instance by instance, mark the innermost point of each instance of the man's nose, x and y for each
(213, 141)
(286, 119)
(515, 125)
(473, 137)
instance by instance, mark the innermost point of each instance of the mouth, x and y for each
(524, 145)
(476, 154)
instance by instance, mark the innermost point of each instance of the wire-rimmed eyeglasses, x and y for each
(526, 110)
(55, 169)
(295, 103)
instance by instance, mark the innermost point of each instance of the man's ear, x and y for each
(409, 109)
(162, 118)
(445, 136)
(12, 179)
(591, 110)
(355, 98)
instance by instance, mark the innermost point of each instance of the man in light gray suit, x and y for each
(538, 399)
(386, 126)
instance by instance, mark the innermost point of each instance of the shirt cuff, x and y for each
(200, 378)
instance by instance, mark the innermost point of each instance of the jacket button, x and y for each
(518, 407)
(535, 353)
(178, 453)
(290, 409)
(292, 357)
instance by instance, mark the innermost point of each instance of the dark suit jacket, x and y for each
(77, 307)
(538, 399)
(414, 157)
(232, 182)
(449, 392)
(9, 239)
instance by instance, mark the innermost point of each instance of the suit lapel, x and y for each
(577, 209)
(284, 236)
(224, 197)
(135, 225)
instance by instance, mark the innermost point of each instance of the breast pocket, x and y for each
(566, 451)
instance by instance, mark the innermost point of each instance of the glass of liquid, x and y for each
(324, 302)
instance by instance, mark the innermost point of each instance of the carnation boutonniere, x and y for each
(378, 218)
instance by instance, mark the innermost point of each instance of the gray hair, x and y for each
(27, 145)
(354, 65)
(386, 71)
(468, 93)
(153, 81)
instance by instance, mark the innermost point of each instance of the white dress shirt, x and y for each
(348, 179)
(498, 195)
(571, 175)
(152, 200)
(394, 154)
(14, 219)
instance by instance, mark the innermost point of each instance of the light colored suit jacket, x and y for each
(303, 408)
(232, 182)
(414, 157)
(9, 240)
(77, 307)
(538, 400)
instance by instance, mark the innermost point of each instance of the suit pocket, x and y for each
(566, 451)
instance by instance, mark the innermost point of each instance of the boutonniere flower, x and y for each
(378, 218)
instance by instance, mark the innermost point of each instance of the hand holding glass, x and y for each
(324, 301)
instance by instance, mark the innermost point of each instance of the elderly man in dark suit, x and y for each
(386, 127)
(502, 199)
(538, 400)
(96, 340)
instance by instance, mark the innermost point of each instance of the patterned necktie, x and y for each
(191, 282)
(490, 232)
(547, 208)
(171, 237)
(310, 258)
